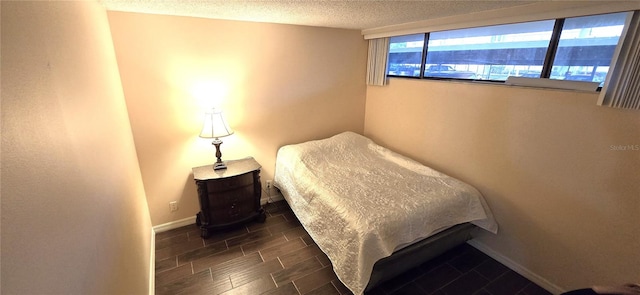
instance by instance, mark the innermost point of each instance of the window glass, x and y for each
(489, 53)
(586, 47)
(405, 55)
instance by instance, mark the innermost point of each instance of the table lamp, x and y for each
(215, 126)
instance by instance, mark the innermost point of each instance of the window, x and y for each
(586, 47)
(405, 55)
(578, 48)
(489, 53)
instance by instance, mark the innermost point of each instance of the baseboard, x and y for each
(523, 271)
(152, 264)
(270, 199)
(174, 224)
(192, 220)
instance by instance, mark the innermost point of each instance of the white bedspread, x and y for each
(359, 201)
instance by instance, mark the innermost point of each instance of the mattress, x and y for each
(360, 201)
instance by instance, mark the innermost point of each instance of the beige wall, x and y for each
(278, 84)
(566, 201)
(74, 215)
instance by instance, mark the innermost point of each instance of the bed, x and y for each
(373, 212)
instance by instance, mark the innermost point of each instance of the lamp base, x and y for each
(219, 166)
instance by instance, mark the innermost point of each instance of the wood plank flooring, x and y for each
(279, 257)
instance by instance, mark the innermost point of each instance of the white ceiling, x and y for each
(328, 13)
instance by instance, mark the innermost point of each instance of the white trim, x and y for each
(553, 83)
(276, 197)
(174, 224)
(192, 220)
(152, 264)
(517, 14)
(525, 272)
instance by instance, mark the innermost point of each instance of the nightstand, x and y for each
(228, 197)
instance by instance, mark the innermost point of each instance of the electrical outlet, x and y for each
(173, 206)
(269, 184)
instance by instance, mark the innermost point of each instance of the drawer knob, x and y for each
(233, 212)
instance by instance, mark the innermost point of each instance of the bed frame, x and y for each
(418, 253)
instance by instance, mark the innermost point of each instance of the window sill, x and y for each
(553, 84)
(534, 83)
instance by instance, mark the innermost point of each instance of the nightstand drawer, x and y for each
(231, 212)
(224, 199)
(231, 183)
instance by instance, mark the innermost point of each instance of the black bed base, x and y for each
(418, 253)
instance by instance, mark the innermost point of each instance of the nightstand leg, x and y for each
(204, 233)
(262, 215)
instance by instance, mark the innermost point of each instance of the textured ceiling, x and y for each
(336, 14)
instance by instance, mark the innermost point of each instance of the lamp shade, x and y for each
(215, 125)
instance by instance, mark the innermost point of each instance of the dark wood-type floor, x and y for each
(279, 257)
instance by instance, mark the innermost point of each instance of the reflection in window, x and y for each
(489, 53)
(405, 55)
(586, 47)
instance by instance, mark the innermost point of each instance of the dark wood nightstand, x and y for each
(228, 197)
